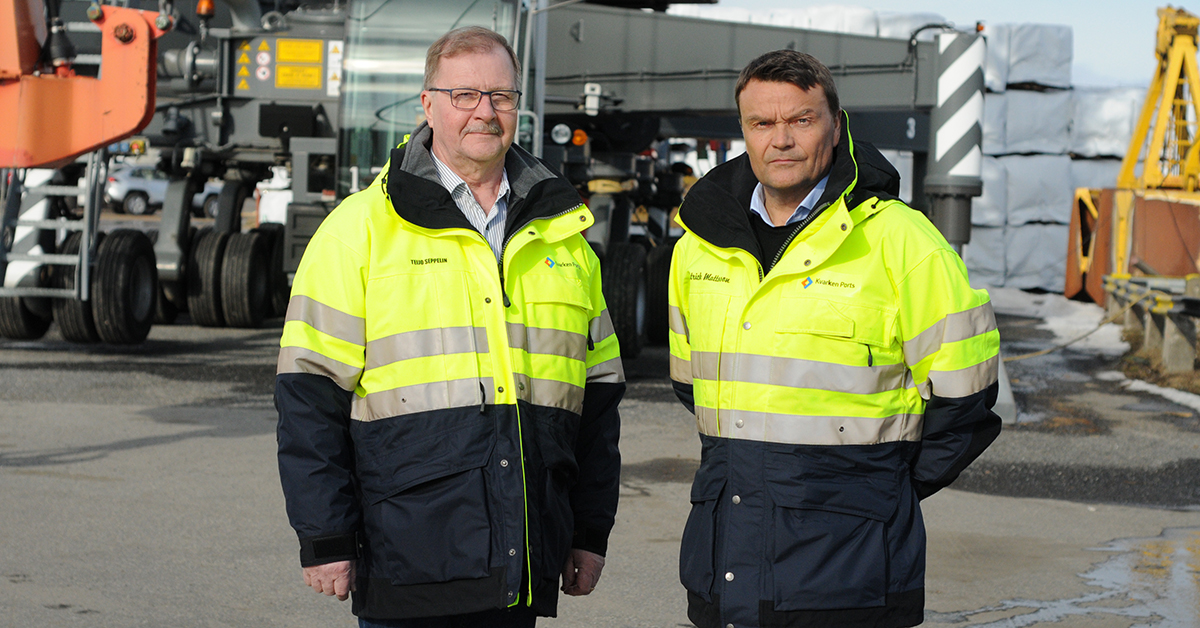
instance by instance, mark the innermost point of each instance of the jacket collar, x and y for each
(717, 207)
(416, 194)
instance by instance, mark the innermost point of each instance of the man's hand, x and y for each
(582, 572)
(338, 578)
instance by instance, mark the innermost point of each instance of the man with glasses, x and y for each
(449, 377)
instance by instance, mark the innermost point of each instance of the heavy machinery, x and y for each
(321, 92)
(1149, 224)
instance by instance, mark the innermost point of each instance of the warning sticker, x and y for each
(244, 58)
(333, 70)
(299, 50)
(242, 71)
(242, 84)
(245, 45)
(263, 58)
(297, 76)
(264, 45)
(262, 73)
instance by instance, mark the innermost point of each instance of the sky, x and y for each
(1114, 39)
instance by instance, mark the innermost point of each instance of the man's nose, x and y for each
(484, 109)
(781, 136)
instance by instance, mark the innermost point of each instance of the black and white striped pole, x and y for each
(956, 135)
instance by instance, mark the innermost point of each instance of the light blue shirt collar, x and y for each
(758, 204)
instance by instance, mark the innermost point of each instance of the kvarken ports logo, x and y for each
(845, 285)
(807, 282)
(550, 262)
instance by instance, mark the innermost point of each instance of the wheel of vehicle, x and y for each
(246, 280)
(125, 289)
(19, 322)
(165, 311)
(211, 205)
(625, 294)
(204, 277)
(74, 317)
(658, 275)
(136, 204)
(280, 290)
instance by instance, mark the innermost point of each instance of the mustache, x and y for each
(491, 128)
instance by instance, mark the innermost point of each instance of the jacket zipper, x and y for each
(799, 227)
(500, 263)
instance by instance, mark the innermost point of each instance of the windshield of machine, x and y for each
(384, 67)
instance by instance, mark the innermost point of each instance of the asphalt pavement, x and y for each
(140, 489)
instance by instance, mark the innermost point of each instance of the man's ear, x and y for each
(427, 106)
(837, 128)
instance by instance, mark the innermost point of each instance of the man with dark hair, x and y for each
(839, 365)
(449, 376)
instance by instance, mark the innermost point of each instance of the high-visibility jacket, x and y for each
(449, 421)
(831, 394)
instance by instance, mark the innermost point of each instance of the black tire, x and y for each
(658, 276)
(125, 289)
(204, 277)
(280, 290)
(625, 294)
(137, 204)
(18, 322)
(74, 317)
(246, 280)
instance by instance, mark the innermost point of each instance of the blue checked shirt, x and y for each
(490, 223)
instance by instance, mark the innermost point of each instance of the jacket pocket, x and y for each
(829, 547)
(428, 517)
(698, 548)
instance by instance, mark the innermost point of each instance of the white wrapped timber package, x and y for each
(995, 123)
(991, 208)
(1037, 122)
(843, 19)
(1041, 54)
(984, 257)
(1035, 256)
(1094, 173)
(1102, 120)
(897, 25)
(995, 66)
(1038, 188)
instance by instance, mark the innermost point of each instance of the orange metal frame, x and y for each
(48, 120)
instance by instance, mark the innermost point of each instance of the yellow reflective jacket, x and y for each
(449, 421)
(831, 393)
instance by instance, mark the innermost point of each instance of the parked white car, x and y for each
(140, 190)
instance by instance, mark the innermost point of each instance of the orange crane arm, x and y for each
(48, 120)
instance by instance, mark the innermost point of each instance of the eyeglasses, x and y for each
(467, 99)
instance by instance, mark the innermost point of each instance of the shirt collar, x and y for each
(455, 184)
(758, 204)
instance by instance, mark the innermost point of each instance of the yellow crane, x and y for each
(1150, 222)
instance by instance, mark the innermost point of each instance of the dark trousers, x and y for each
(517, 617)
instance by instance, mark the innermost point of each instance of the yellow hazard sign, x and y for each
(264, 45)
(242, 71)
(335, 49)
(299, 50)
(245, 45)
(245, 58)
(242, 84)
(297, 76)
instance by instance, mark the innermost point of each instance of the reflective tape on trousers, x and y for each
(808, 430)
(327, 320)
(455, 393)
(953, 328)
(301, 360)
(426, 343)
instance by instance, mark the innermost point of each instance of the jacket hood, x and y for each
(535, 191)
(717, 208)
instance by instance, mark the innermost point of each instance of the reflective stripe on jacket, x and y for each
(830, 395)
(449, 421)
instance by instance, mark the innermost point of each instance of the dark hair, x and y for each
(789, 66)
(475, 39)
